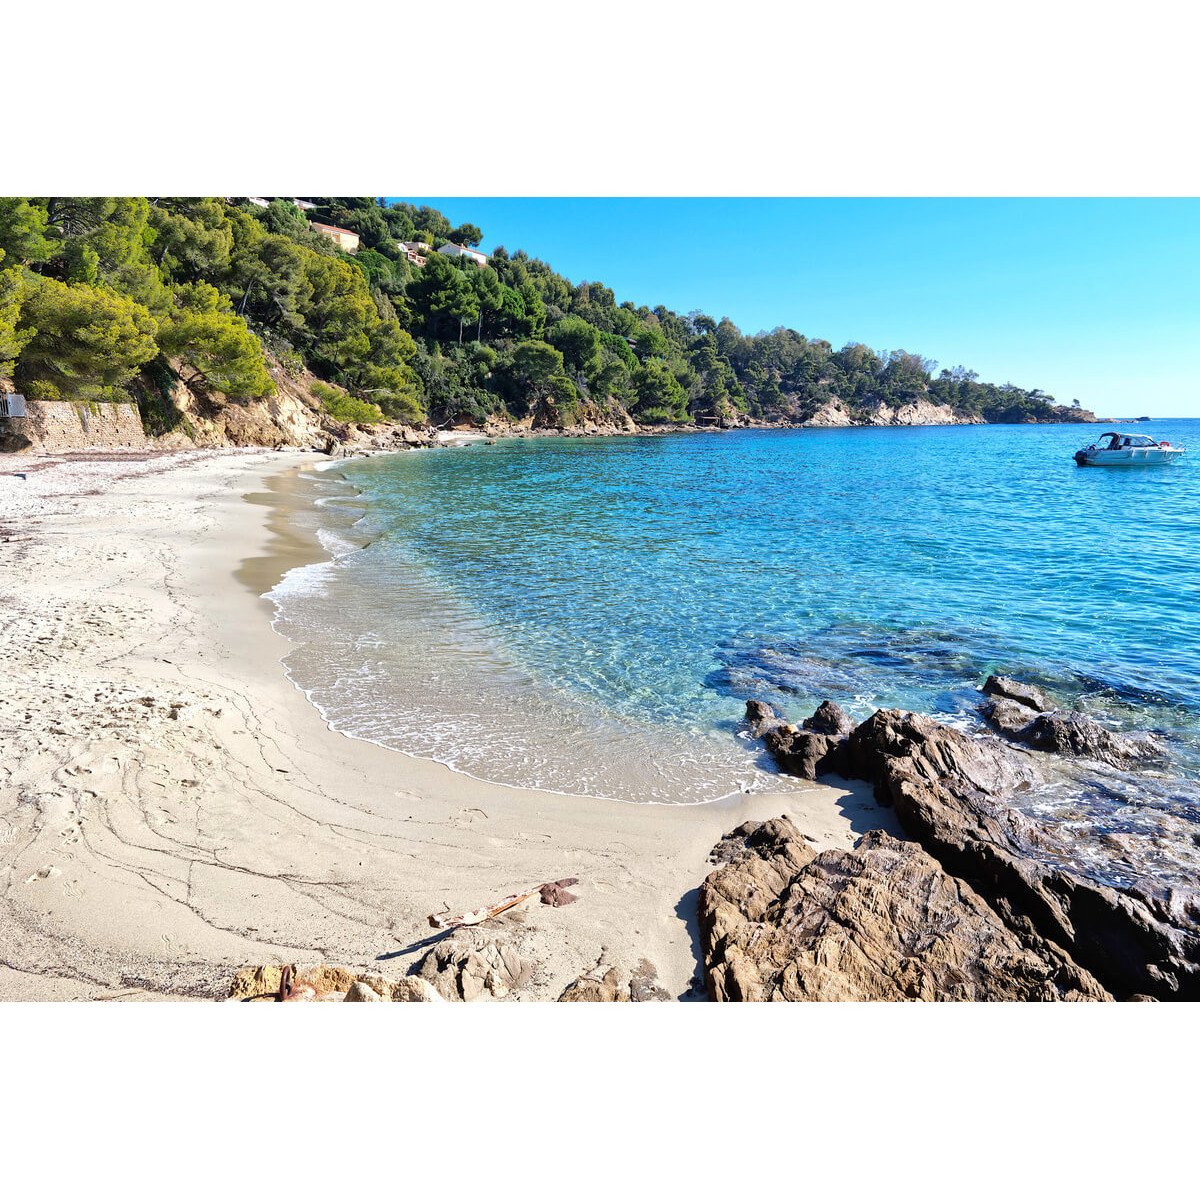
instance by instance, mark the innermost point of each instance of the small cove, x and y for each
(589, 615)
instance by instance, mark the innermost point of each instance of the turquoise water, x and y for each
(590, 615)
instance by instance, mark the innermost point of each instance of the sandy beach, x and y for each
(172, 809)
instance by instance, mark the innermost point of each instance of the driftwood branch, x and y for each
(553, 893)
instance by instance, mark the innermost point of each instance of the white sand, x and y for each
(172, 809)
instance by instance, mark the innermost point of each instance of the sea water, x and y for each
(589, 615)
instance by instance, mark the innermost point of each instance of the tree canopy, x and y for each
(92, 290)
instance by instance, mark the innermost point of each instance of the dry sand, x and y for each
(173, 809)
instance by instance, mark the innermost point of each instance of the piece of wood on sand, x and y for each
(553, 893)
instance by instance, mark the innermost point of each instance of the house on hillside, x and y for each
(303, 205)
(454, 251)
(259, 201)
(347, 239)
(412, 251)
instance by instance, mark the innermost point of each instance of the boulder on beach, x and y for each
(804, 752)
(883, 921)
(473, 964)
(816, 748)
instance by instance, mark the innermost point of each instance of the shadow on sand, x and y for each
(688, 911)
(413, 947)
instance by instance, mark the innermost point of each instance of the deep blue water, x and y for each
(591, 614)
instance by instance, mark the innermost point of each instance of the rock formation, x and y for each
(948, 791)
(1022, 713)
(474, 964)
(883, 921)
(1012, 689)
(951, 793)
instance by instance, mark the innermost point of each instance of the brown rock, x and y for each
(556, 895)
(760, 716)
(948, 791)
(589, 990)
(252, 982)
(470, 965)
(932, 752)
(328, 979)
(360, 993)
(1007, 716)
(412, 989)
(883, 921)
(804, 752)
(1080, 737)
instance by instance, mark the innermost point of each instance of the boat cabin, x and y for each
(1124, 441)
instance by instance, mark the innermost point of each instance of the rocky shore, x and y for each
(981, 902)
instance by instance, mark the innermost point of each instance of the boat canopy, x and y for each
(1127, 439)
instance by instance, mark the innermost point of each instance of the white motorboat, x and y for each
(1114, 449)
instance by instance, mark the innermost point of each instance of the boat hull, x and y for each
(1137, 456)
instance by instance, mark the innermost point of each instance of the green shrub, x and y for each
(344, 407)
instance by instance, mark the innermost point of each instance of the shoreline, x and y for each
(176, 809)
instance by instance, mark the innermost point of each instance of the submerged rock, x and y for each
(883, 921)
(1007, 716)
(1078, 736)
(1014, 689)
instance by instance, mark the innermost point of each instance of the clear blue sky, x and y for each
(1089, 298)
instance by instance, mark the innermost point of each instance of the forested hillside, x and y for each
(95, 293)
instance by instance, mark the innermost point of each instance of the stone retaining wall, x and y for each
(54, 425)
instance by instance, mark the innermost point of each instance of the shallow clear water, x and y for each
(589, 615)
